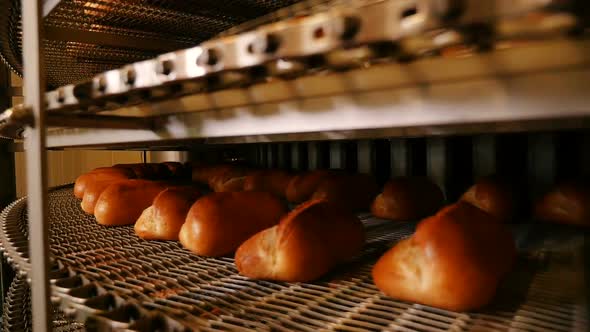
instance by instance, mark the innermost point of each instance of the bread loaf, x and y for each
(302, 186)
(272, 181)
(408, 198)
(567, 203)
(219, 222)
(121, 203)
(100, 174)
(495, 195)
(454, 260)
(151, 171)
(206, 173)
(353, 192)
(229, 179)
(308, 242)
(93, 192)
(164, 218)
(178, 171)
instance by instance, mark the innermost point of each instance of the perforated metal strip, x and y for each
(110, 278)
(140, 27)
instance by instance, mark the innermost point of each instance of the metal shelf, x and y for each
(84, 38)
(532, 87)
(110, 278)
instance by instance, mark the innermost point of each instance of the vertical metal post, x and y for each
(585, 160)
(484, 155)
(7, 178)
(34, 86)
(7, 171)
(270, 156)
(365, 156)
(312, 155)
(295, 158)
(262, 153)
(282, 156)
(337, 155)
(541, 163)
(399, 157)
(436, 162)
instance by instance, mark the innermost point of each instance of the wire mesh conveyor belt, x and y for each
(108, 277)
(16, 315)
(83, 38)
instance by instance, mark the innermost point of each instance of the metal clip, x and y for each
(14, 120)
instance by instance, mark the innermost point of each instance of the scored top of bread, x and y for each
(453, 261)
(219, 222)
(307, 243)
(567, 203)
(302, 186)
(408, 198)
(164, 218)
(273, 181)
(495, 195)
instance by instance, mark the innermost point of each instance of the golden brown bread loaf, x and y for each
(567, 203)
(495, 195)
(307, 243)
(408, 198)
(205, 173)
(453, 261)
(302, 186)
(219, 222)
(93, 191)
(164, 218)
(353, 192)
(273, 181)
(100, 174)
(122, 202)
(228, 179)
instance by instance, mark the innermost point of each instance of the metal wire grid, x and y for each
(187, 23)
(17, 311)
(545, 293)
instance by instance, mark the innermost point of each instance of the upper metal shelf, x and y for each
(86, 37)
(351, 68)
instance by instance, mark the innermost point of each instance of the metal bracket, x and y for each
(14, 120)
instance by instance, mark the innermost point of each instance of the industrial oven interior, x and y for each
(332, 165)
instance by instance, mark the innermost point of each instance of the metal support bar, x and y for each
(7, 180)
(337, 155)
(34, 85)
(282, 156)
(436, 161)
(541, 163)
(14, 120)
(312, 155)
(484, 155)
(399, 157)
(98, 121)
(270, 156)
(111, 39)
(295, 158)
(365, 156)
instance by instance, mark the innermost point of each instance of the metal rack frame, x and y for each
(34, 85)
(430, 117)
